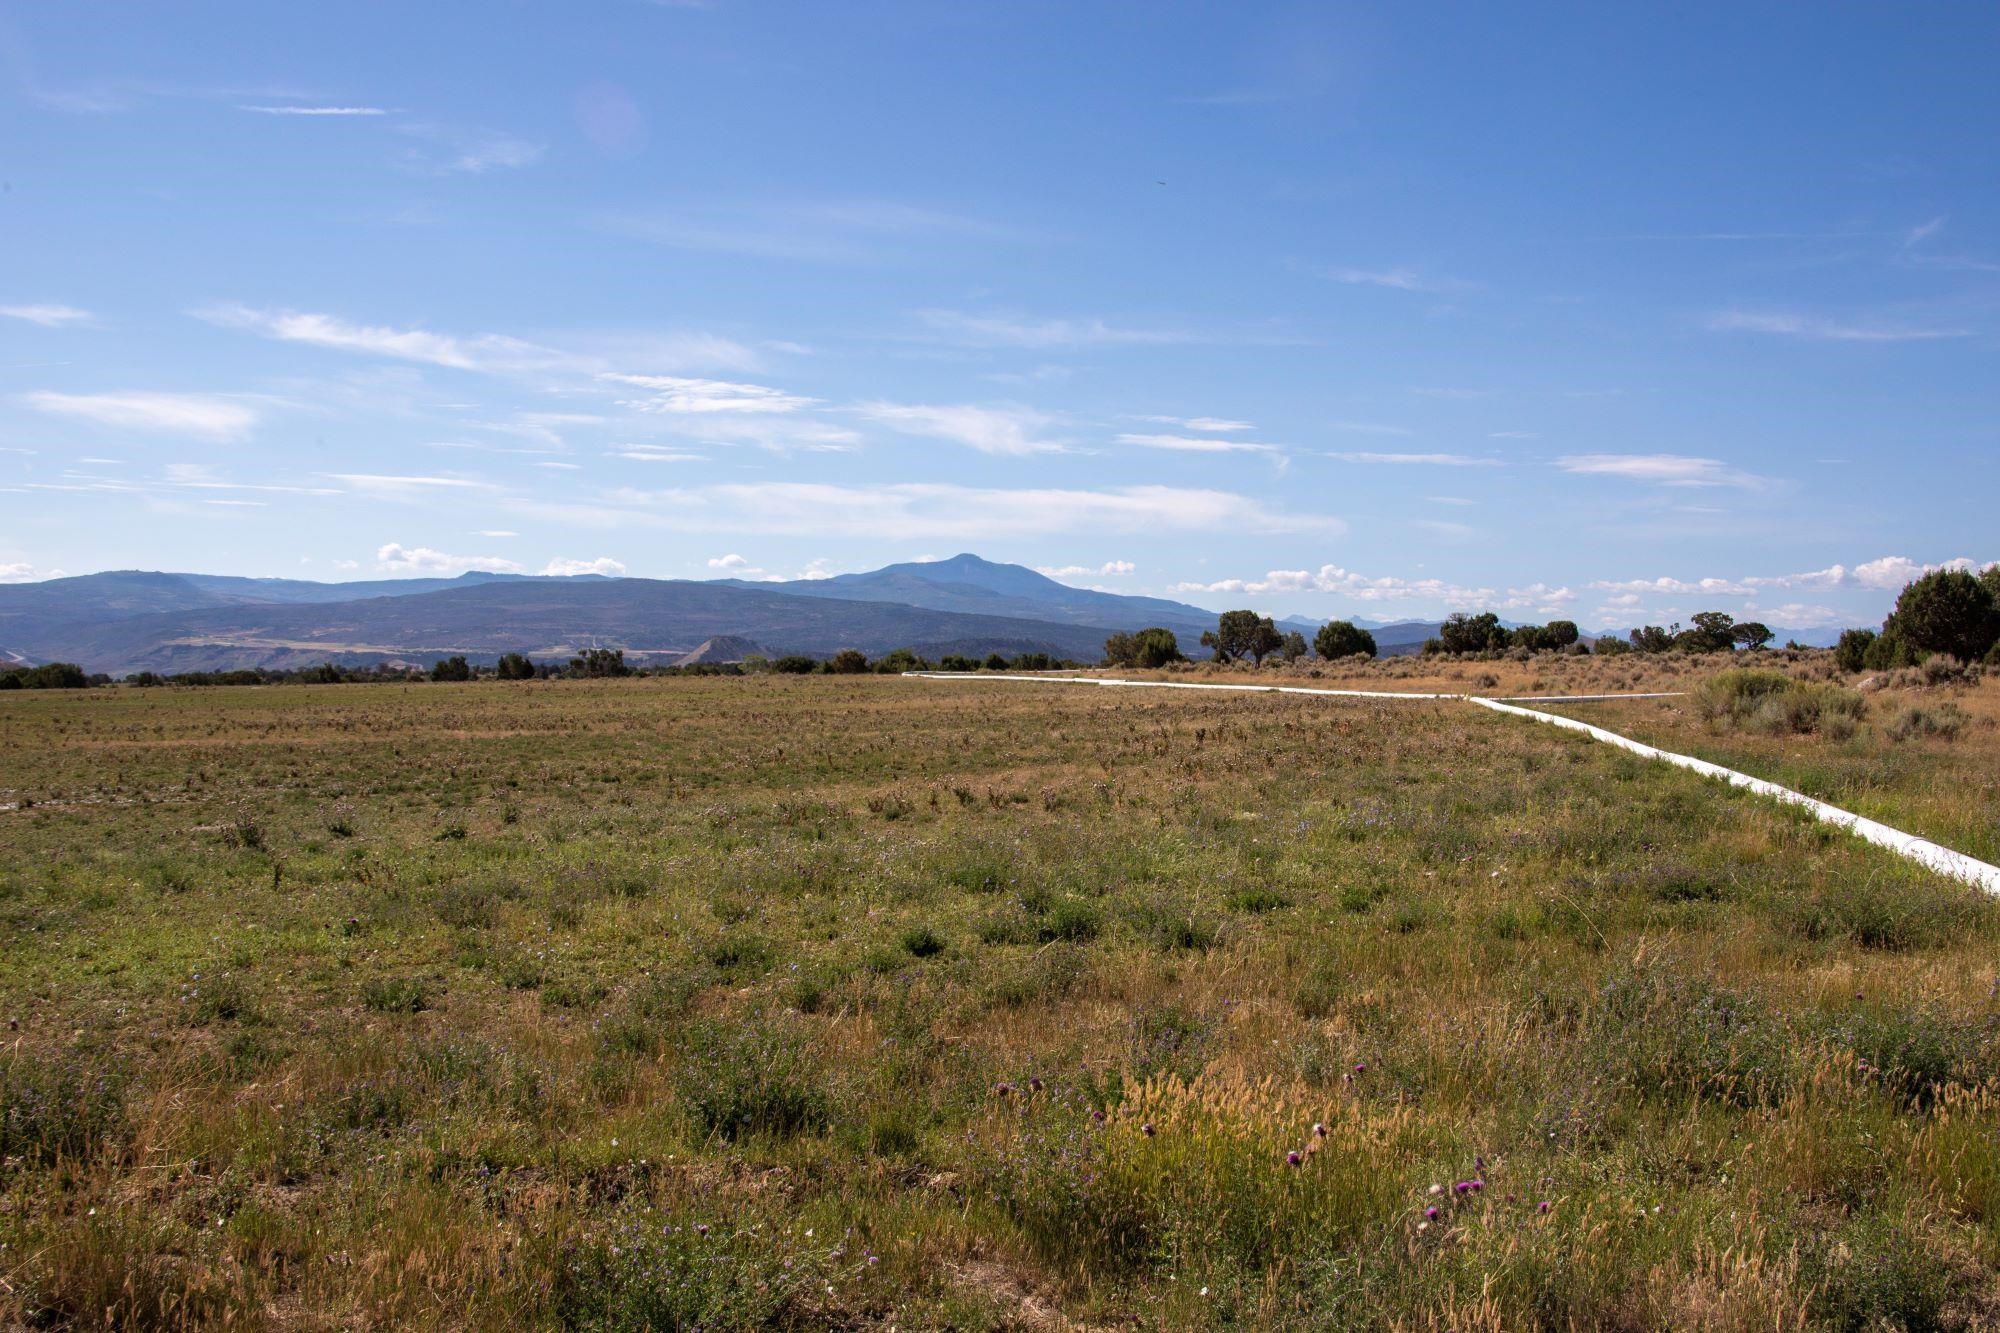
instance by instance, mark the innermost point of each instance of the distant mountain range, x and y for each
(129, 620)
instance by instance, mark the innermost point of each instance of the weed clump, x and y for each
(1772, 703)
(759, 1080)
(62, 1109)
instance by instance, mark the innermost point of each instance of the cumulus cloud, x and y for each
(20, 571)
(728, 562)
(991, 430)
(1659, 469)
(397, 558)
(48, 316)
(1110, 568)
(202, 416)
(1347, 583)
(603, 565)
(1884, 574)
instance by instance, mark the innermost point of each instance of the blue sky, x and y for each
(1601, 311)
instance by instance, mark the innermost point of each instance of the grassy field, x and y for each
(864, 1002)
(1923, 759)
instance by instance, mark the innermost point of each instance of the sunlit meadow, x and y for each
(867, 1002)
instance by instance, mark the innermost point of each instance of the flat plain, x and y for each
(869, 1002)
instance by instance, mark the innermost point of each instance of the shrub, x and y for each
(922, 942)
(847, 662)
(514, 666)
(1942, 721)
(794, 664)
(451, 668)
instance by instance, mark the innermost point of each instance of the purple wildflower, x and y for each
(1148, 1130)
(1292, 1158)
(1431, 1212)
(1543, 1206)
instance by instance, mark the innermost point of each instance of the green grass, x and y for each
(856, 1002)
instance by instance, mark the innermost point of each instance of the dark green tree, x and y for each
(1292, 646)
(848, 662)
(1750, 633)
(597, 663)
(1463, 633)
(1343, 638)
(1243, 634)
(514, 666)
(1652, 639)
(1851, 653)
(1155, 647)
(451, 668)
(1948, 611)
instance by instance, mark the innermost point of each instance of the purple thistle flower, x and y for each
(1319, 1130)
(1543, 1206)
(1148, 1130)
(1431, 1212)
(1361, 1068)
(701, 1228)
(1097, 1117)
(1034, 1085)
(1001, 1090)
(1292, 1158)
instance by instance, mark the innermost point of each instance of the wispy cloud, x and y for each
(406, 487)
(1414, 460)
(1206, 425)
(1660, 469)
(202, 416)
(48, 316)
(823, 231)
(1792, 324)
(334, 111)
(452, 150)
(993, 330)
(1189, 444)
(948, 512)
(1396, 279)
(369, 339)
(681, 395)
(990, 430)
(1368, 428)
(487, 353)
